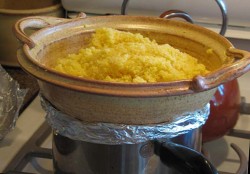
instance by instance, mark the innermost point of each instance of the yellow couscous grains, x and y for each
(119, 56)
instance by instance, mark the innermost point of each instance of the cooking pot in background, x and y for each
(224, 111)
(13, 10)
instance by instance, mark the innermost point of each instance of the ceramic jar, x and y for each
(13, 10)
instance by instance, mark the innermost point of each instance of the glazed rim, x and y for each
(54, 77)
(32, 11)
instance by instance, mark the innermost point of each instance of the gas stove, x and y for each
(27, 148)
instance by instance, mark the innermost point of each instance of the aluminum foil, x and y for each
(11, 99)
(111, 134)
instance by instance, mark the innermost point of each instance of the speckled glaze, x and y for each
(10, 12)
(130, 103)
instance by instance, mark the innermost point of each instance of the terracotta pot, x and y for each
(13, 10)
(131, 103)
(224, 111)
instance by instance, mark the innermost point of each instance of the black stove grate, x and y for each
(31, 150)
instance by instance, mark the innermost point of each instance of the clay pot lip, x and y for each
(99, 87)
(36, 11)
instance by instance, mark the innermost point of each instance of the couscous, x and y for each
(119, 56)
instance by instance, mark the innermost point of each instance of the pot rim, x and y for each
(36, 11)
(102, 87)
(172, 88)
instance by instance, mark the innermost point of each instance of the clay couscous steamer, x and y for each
(126, 103)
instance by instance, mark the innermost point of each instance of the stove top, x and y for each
(28, 147)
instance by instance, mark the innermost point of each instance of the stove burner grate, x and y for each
(32, 149)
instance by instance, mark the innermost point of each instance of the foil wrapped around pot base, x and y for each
(111, 134)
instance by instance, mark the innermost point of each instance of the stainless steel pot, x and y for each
(131, 103)
(118, 148)
(151, 157)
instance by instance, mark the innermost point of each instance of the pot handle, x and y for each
(177, 14)
(183, 159)
(36, 22)
(227, 73)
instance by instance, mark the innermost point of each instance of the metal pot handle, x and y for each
(223, 9)
(177, 14)
(36, 22)
(234, 70)
(183, 159)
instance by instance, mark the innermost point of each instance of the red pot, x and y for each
(224, 113)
